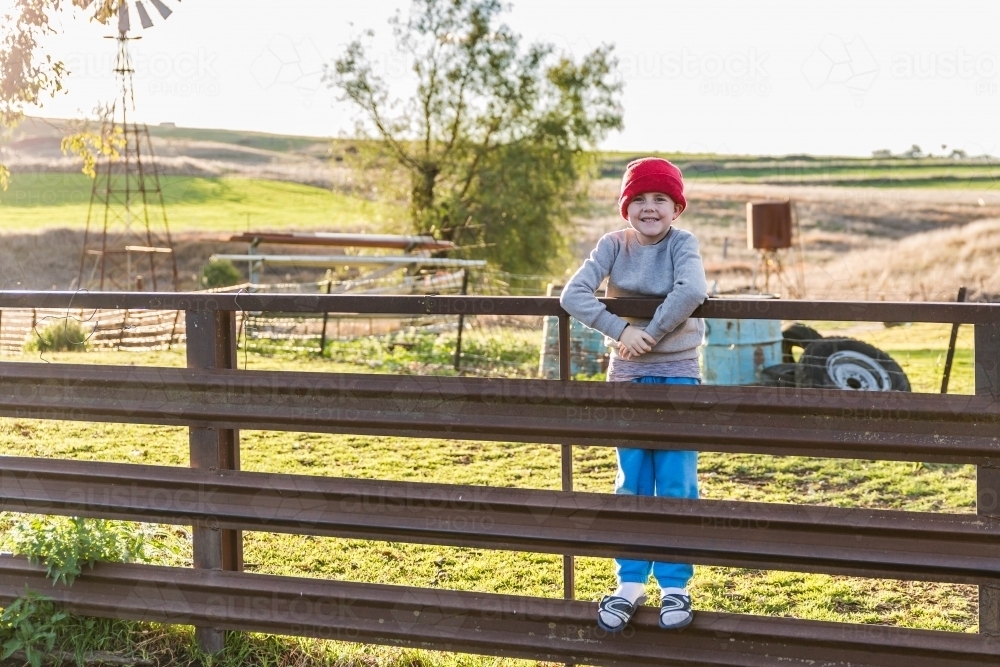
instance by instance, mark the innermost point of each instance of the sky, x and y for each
(734, 77)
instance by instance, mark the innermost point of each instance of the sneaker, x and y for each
(614, 613)
(675, 611)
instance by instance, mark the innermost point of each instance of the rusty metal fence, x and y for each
(215, 399)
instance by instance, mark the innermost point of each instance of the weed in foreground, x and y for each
(29, 626)
(65, 544)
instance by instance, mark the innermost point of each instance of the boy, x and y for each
(651, 258)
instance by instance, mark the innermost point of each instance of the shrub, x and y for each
(66, 544)
(220, 273)
(64, 335)
(30, 624)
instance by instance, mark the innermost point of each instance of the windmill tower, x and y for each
(127, 244)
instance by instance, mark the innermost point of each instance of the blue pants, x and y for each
(657, 472)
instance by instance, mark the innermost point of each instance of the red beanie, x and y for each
(651, 174)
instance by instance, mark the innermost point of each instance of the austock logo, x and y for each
(156, 602)
(420, 399)
(272, 502)
(196, 503)
(142, 390)
(463, 509)
(835, 62)
(558, 509)
(443, 612)
(16, 488)
(323, 616)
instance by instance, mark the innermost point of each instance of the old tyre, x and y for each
(797, 335)
(779, 375)
(845, 363)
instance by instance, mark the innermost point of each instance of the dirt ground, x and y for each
(51, 260)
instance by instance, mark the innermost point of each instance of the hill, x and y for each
(34, 147)
(852, 211)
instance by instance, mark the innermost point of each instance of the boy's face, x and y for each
(650, 214)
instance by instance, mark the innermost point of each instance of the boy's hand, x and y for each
(634, 341)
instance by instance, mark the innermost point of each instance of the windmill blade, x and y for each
(123, 22)
(143, 15)
(162, 8)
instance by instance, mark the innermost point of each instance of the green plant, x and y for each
(30, 624)
(422, 352)
(220, 273)
(66, 544)
(63, 335)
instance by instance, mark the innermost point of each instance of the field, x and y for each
(40, 201)
(927, 172)
(919, 349)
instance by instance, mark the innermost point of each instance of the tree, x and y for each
(26, 74)
(494, 139)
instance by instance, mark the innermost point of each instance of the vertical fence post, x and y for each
(988, 478)
(211, 344)
(951, 346)
(326, 318)
(461, 322)
(569, 574)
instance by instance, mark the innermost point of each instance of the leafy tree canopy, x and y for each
(26, 74)
(493, 140)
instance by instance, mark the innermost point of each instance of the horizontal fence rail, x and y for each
(776, 309)
(802, 422)
(958, 548)
(505, 625)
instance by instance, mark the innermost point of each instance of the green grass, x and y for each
(843, 483)
(38, 201)
(973, 173)
(260, 140)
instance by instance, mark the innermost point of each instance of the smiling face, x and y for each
(650, 215)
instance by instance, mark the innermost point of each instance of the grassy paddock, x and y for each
(904, 486)
(974, 173)
(46, 200)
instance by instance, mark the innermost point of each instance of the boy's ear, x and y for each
(677, 211)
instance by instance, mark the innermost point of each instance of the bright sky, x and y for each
(840, 78)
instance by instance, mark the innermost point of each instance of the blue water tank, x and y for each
(735, 351)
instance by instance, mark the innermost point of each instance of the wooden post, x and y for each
(951, 347)
(569, 566)
(326, 318)
(461, 322)
(569, 562)
(211, 344)
(121, 331)
(988, 477)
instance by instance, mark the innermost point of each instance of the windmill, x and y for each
(127, 242)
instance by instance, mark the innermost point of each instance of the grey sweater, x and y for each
(671, 270)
